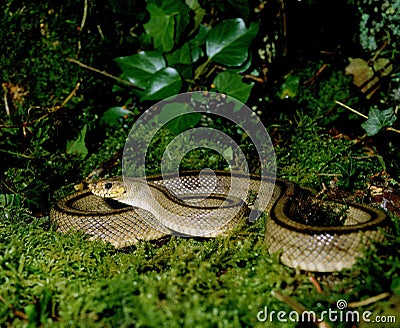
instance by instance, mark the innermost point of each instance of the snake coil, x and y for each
(210, 210)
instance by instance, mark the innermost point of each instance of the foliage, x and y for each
(157, 74)
(212, 55)
(377, 120)
(379, 23)
(379, 35)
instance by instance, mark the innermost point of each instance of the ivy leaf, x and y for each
(114, 115)
(181, 59)
(377, 120)
(184, 119)
(229, 42)
(139, 68)
(78, 146)
(232, 84)
(163, 84)
(364, 72)
(168, 19)
(180, 56)
(148, 71)
(197, 42)
(198, 11)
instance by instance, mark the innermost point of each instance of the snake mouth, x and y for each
(69, 205)
(113, 188)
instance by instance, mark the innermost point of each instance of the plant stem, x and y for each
(351, 109)
(101, 72)
(364, 116)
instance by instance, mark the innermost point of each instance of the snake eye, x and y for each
(108, 185)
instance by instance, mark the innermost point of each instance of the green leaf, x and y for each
(78, 146)
(139, 68)
(168, 19)
(114, 115)
(290, 87)
(181, 59)
(378, 120)
(183, 120)
(232, 84)
(180, 56)
(199, 13)
(163, 84)
(229, 42)
(198, 41)
(242, 68)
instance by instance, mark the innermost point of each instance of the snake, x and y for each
(124, 212)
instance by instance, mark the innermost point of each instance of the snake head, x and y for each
(108, 188)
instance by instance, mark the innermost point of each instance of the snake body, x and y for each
(210, 204)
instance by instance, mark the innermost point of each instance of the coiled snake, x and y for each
(205, 204)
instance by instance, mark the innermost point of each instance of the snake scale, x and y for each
(209, 204)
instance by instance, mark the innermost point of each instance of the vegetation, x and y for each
(76, 76)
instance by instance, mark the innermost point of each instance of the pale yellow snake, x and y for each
(204, 205)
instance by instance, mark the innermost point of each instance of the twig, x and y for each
(364, 116)
(331, 174)
(379, 51)
(101, 72)
(323, 190)
(392, 129)
(82, 24)
(313, 280)
(100, 31)
(368, 301)
(73, 93)
(254, 78)
(6, 100)
(289, 301)
(282, 13)
(351, 109)
(312, 79)
(299, 308)
(84, 15)
(50, 111)
(18, 154)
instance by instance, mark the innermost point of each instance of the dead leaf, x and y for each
(363, 72)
